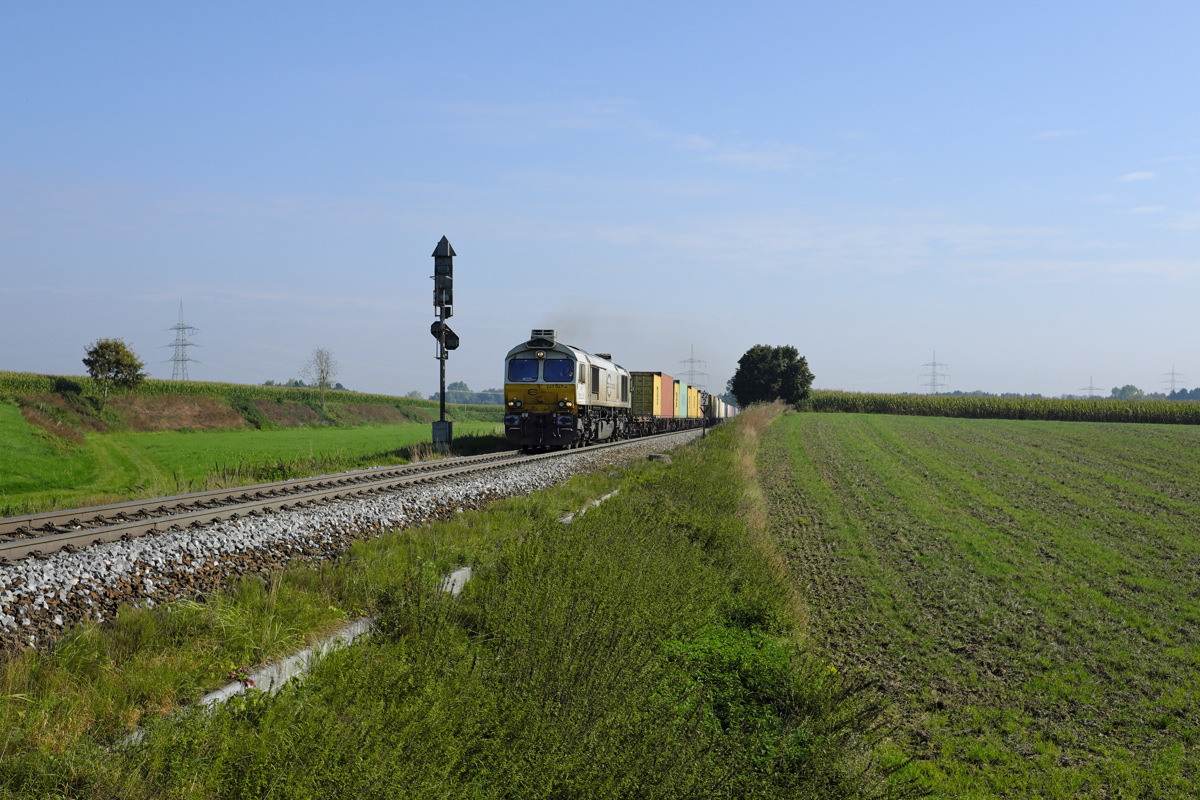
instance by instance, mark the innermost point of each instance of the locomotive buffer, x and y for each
(443, 304)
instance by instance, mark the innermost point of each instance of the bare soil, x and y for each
(367, 414)
(286, 415)
(170, 412)
(54, 427)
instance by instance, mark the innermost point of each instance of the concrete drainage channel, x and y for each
(273, 677)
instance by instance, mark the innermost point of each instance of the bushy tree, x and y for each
(416, 394)
(768, 373)
(110, 362)
(1127, 392)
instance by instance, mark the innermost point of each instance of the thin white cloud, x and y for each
(1147, 210)
(771, 156)
(1187, 221)
(758, 156)
(1138, 176)
(696, 143)
(1054, 134)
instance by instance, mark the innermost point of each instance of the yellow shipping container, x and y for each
(693, 402)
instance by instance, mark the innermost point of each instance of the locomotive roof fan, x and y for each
(542, 338)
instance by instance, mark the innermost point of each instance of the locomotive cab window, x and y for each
(558, 370)
(523, 369)
(596, 381)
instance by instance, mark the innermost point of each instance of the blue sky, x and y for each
(1016, 186)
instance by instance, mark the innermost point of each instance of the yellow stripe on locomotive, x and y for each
(540, 398)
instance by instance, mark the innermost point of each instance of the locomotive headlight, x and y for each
(562, 403)
(517, 403)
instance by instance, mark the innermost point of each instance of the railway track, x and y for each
(40, 535)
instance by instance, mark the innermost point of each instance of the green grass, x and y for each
(40, 472)
(33, 461)
(643, 651)
(1025, 592)
(194, 455)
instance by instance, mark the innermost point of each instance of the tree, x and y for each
(768, 373)
(320, 369)
(110, 362)
(1127, 392)
(728, 397)
(416, 394)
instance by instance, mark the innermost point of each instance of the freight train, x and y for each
(558, 396)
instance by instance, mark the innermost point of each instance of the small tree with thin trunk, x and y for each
(320, 369)
(110, 362)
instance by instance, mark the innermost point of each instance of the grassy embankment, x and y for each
(1025, 591)
(62, 450)
(647, 650)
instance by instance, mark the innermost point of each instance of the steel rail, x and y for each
(99, 516)
(71, 540)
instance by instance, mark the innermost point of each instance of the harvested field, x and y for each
(1025, 593)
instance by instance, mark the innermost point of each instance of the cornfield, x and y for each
(1046, 408)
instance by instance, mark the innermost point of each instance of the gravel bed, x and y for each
(40, 598)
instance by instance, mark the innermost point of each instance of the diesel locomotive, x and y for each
(558, 396)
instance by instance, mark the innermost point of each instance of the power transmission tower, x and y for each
(935, 381)
(692, 373)
(1173, 378)
(181, 344)
(1091, 390)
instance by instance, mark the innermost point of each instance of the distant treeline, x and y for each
(459, 392)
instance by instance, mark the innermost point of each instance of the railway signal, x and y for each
(452, 341)
(443, 304)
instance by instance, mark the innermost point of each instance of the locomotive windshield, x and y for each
(523, 369)
(558, 370)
